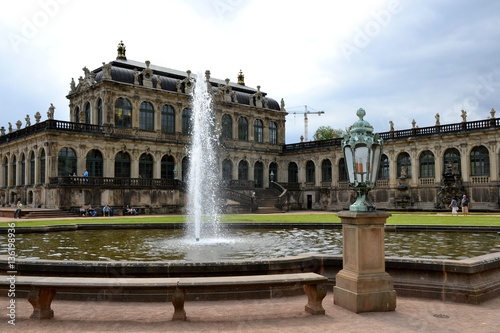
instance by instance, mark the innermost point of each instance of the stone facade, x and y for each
(129, 127)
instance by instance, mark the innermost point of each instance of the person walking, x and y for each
(465, 205)
(454, 207)
(19, 208)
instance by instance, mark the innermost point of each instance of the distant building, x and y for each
(130, 128)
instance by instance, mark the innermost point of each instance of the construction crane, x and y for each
(305, 138)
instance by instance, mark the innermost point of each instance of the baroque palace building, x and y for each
(129, 128)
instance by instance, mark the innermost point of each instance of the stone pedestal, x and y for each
(363, 285)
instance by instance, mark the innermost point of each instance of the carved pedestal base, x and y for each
(315, 294)
(41, 300)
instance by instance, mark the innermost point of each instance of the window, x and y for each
(146, 117)
(31, 178)
(185, 169)
(94, 163)
(404, 166)
(258, 174)
(227, 170)
(273, 172)
(42, 167)
(23, 169)
(146, 166)
(186, 121)
(227, 127)
(122, 165)
(427, 167)
(168, 167)
(5, 164)
(258, 131)
(293, 172)
(326, 171)
(87, 113)
(76, 114)
(243, 170)
(343, 173)
(383, 171)
(273, 133)
(123, 113)
(451, 161)
(310, 172)
(99, 112)
(66, 162)
(14, 170)
(480, 161)
(243, 129)
(167, 119)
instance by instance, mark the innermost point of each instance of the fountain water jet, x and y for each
(203, 206)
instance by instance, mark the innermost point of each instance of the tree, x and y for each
(327, 133)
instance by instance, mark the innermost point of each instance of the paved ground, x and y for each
(274, 315)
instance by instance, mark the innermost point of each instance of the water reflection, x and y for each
(166, 244)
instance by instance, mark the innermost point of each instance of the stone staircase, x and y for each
(47, 214)
(266, 199)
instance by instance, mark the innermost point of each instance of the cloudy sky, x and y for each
(398, 59)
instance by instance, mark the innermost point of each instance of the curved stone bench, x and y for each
(44, 289)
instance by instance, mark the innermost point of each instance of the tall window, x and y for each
(146, 166)
(273, 132)
(42, 167)
(185, 169)
(123, 113)
(94, 163)
(5, 167)
(122, 164)
(404, 165)
(167, 119)
(258, 174)
(146, 117)
(99, 112)
(293, 172)
(23, 169)
(258, 131)
(168, 167)
(243, 170)
(383, 171)
(273, 172)
(310, 172)
(480, 161)
(427, 167)
(451, 160)
(87, 113)
(227, 127)
(326, 171)
(227, 170)
(66, 162)
(186, 121)
(31, 178)
(343, 173)
(76, 114)
(243, 129)
(14, 170)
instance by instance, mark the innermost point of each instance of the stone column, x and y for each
(363, 285)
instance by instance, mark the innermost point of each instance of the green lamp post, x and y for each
(362, 150)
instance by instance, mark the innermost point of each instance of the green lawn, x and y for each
(395, 219)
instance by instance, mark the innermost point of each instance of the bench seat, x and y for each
(42, 289)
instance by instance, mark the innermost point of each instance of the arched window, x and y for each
(168, 167)
(273, 133)
(14, 170)
(99, 112)
(326, 171)
(227, 127)
(480, 161)
(66, 162)
(122, 165)
(123, 113)
(427, 165)
(243, 129)
(42, 167)
(146, 166)
(258, 174)
(31, 177)
(146, 117)
(23, 169)
(404, 166)
(293, 173)
(383, 171)
(186, 121)
(273, 172)
(5, 168)
(76, 114)
(227, 171)
(243, 170)
(185, 169)
(343, 173)
(94, 163)
(310, 172)
(451, 161)
(87, 113)
(258, 131)
(167, 119)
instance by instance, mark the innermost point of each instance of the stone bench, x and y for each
(42, 290)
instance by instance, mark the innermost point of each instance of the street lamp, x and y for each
(362, 151)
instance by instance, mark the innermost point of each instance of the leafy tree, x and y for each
(327, 133)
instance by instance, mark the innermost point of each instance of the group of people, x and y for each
(106, 211)
(464, 205)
